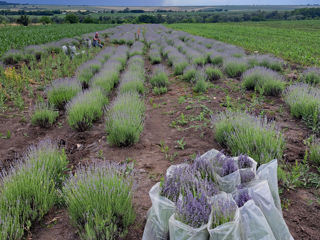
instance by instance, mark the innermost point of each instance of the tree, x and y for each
(71, 18)
(45, 20)
(23, 20)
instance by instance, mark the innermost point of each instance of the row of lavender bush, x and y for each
(124, 121)
(98, 198)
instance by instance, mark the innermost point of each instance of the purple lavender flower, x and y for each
(193, 210)
(229, 166)
(244, 161)
(241, 197)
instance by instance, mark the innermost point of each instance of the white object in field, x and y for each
(269, 172)
(253, 223)
(260, 193)
(181, 231)
(65, 49)
(157, 225)
(89, 43)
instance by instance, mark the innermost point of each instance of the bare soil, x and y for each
(301, 209)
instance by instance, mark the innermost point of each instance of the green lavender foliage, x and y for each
(99, 202)
(243, 133)
(28, 191)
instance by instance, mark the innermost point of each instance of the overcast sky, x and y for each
(167, 2)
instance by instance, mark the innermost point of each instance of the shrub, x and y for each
(213, 73)
(216, 60)
(266, 61)
(99, 201)
(304, 102)
(246, 134)
(201, 84)
(189, 73)
(108, 77)
(136, 49)
(311, 76)
(62, 91)
(28, 191)
(154, 55)
(44, 116)
(124, 121)
(14, 57)
(87, 71)
(160, 77)
(235, 67)
(263, 80)
(85, 108)
(133, 78)
(179, 67)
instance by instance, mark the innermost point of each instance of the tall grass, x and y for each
(28, 191)
(86, 108)
(99, 201)
(242, 133)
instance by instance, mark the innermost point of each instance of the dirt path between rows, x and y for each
(301, 212)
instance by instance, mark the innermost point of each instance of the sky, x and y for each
(168, 2)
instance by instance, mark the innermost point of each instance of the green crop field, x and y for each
(18, 37)
(296, 41)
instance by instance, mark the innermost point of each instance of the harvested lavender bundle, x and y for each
(241, 197)
(244, 161)
(223, 211)
(171, 185)
(229, 166)
(193, 210)
(204, 167)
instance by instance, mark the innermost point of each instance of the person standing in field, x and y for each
(96, 41)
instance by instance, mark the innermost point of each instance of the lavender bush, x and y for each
(61, 91)
(234, 67)
(124, 121)
(85, 108)
(304, 102)
(241, 197)
(28, 191)
(311, 76)
(99, 201)
(44, 115)
(263, 80)
(244, 133)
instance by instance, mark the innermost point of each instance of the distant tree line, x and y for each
(128, 16)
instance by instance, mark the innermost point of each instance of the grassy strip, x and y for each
(99, 201)
(28, 192)
(246, 134)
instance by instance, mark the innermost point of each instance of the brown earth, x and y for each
(301, 206)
